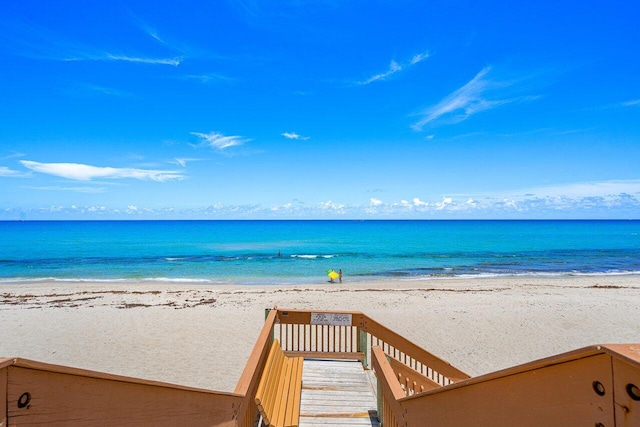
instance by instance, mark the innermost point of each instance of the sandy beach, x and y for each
(201, 335)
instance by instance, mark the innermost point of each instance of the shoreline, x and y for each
(274, 281)
(201, 335)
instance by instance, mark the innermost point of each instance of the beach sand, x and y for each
(201, 336)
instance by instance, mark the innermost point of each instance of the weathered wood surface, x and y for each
(336, 393)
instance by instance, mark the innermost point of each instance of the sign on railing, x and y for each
(332, 319)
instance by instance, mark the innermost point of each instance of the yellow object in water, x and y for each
(332, 275)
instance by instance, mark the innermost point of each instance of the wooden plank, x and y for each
(289, 316)
(272, 386)
(293, 406)
(338, 422)
(266, 373)
(330, 396)
(38, 397)
(281, 396)
(287, 421)
(326, 355)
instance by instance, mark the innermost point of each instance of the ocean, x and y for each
(297, 252)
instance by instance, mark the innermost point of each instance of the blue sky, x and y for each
(325, 109)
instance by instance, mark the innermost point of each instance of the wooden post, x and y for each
(362, 346)
(266, 314)
(379, 399)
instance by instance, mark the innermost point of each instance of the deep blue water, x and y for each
(247, 251)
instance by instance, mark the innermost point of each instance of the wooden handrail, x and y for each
(412, 381)
(409, 348)
(250, 378)
(260, 349)
(389, 387)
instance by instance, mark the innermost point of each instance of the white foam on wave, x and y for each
(175, 280)
(91, 280)
(313, 256)
(522, 274)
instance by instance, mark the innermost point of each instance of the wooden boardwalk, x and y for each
(336, 393)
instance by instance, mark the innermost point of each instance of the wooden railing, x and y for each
(353, 334)
(339, 334)
(250, 378)
(390, 392)
(35, 393)
(408, 354)
(591, 386)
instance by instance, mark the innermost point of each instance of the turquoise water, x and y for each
(246, 252)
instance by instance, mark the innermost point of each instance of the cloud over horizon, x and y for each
(612, 206)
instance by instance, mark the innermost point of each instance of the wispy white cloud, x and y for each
(219, 141)
(419, 58)
(13, 155)
(182, 161)
(5, 172)
(633, 103)
(82, 172)
(90, 89)
(138, 59)
(207, 78)
(149, 30)
(83, 189)
(293, 135)
(395, 67)
(582, 189)
(33, 41)
(478, 95)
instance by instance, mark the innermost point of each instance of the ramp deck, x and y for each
(337, 393)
